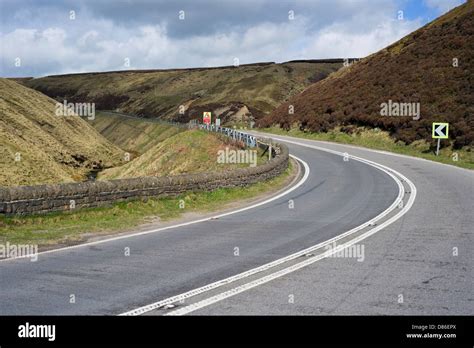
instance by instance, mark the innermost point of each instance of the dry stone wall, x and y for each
(22, 200)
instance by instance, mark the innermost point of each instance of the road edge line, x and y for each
(213, 217)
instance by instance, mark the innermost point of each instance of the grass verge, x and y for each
(379, 140)
(68, 228)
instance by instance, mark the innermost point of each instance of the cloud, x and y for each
(150, 35)
(34, 49)
(342, 41)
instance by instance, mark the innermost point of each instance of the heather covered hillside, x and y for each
(433, 66)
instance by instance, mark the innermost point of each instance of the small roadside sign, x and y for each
(440, 130)
(206, 118)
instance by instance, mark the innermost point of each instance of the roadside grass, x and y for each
(68, 228)
(380, 140)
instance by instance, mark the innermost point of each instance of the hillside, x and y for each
(136, 136)
(237, 94)
(36, 146)
(190, 151)
(417, 69)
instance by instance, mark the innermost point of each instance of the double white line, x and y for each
(252, 284)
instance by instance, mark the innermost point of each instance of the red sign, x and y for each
(206, 118)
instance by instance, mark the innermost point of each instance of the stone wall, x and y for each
(62, 197)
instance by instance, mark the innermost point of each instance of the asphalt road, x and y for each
(420, 264)
(337, 196)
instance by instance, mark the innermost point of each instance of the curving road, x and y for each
(420, 265)
(412, 256)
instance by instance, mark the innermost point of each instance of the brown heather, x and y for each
(235, 92)
(418, 68)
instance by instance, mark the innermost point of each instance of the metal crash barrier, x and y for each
(248, 139)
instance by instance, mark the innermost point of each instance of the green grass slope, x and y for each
(135, 136)
(190, 151)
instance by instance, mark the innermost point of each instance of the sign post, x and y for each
(439, 131)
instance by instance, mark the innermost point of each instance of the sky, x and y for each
(47, 37)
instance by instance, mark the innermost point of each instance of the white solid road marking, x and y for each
(271, 199)
(247, 286)
(293, 268)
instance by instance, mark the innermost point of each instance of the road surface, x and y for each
(413, 257)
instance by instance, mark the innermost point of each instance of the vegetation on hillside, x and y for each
(160, 149)
(37, 146)
(191, 151)
(433, 66)
(234, 93)
(133, 135)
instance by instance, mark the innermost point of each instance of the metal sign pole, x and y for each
(437, 147)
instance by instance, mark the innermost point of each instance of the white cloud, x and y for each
(35, 48)
(89, 38)
(341, 41)
(98, 44)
